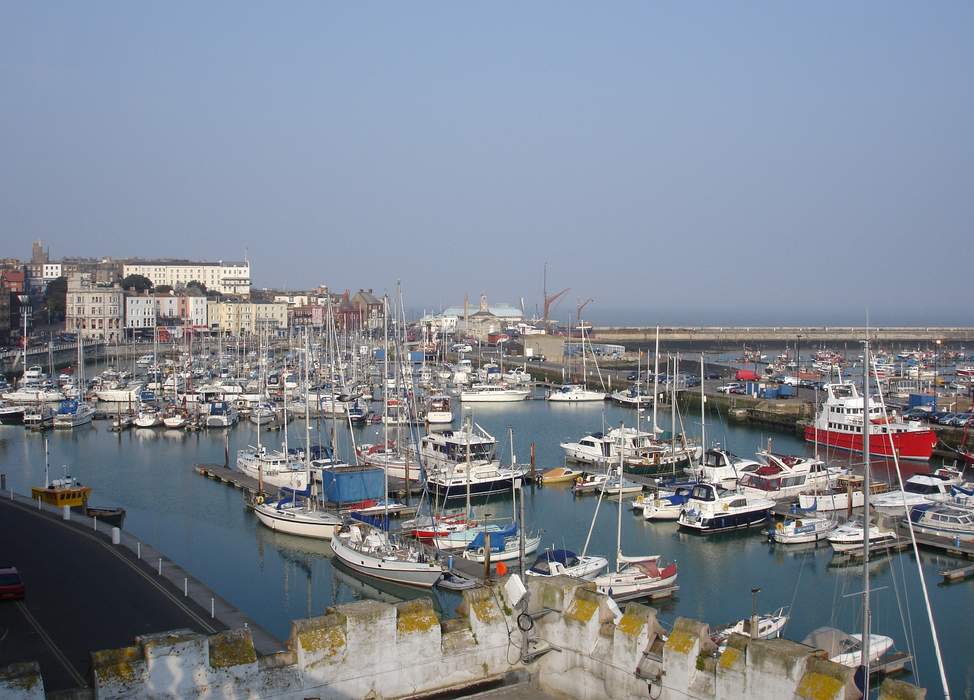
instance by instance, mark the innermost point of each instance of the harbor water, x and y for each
(205, 527)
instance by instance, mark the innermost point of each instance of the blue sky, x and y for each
(679, 162)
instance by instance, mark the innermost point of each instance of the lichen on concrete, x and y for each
(818, 686)
(320, 634)
(481, 602)
(24, 675)
(730, 657)
(117, 664)
(583, 606)
(634, 619)
(892, 689)
(778, 656)
(232, 648)
(416, 616)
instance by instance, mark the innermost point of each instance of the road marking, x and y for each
(58, 654)
(132, 565)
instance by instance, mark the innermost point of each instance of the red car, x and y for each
(11, 585)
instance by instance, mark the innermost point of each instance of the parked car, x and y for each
(732, 388)
(916, 414)
(634, 377)
(461, 347)
(942, 418)
(959, 420)
(712, 375)
(11, 585)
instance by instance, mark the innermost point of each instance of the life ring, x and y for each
(480, 551)
(259, 500)
(578, 480)
(779, 527)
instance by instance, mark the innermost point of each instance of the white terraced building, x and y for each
(93, 311)
(224, 277)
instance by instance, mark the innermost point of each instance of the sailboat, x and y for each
(577, 393)
(377, 553)
(505, 543)
(76, 412)
(634, 577)
(286, 514)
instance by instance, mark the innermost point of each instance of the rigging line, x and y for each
(794, 594)
(913, 540)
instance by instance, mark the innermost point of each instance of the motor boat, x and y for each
(668, 504)
(850, 535)
(801, 530)
(491, 393)
(711, 509)
(944, 520)
(636, 577)
(846, 649)
(574, 393)
(918, 489)
(562, 562)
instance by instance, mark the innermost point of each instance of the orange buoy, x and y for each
(501, 569)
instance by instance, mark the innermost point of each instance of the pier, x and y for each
(111, 586)
(730, 335)
(250, 487)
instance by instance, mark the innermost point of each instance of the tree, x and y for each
(140, 283)
(55, 297)
(196, 284)
(163, 289)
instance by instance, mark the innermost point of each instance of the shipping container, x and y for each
(352, 484)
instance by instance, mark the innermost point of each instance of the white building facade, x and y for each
(224, 277)
(140, 312)
(92, 311)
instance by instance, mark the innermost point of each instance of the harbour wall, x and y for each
(721, 335)
(584, 648)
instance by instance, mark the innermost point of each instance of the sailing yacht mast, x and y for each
(866, 613)
(622, 438)
(703, 410)
(655, 382)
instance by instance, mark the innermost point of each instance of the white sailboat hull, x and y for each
(422, 574)
(295, 522)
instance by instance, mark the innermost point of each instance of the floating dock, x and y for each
(248, 484)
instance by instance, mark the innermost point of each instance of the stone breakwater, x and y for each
(376, 650)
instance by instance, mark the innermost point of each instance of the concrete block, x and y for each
(731, 672)
(22, 681)
(318, 641)
(232, 652)
(892, 689)
(688, 640)
(488, 620)
(826, 680)
(775, 666)
(369, 626)
(418, 637)
(636, 630)
(119, 673)
(176, 662)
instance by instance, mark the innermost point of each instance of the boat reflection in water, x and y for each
(302, 553)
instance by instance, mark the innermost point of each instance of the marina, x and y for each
(127, 463)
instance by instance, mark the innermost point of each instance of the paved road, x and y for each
(82, 595)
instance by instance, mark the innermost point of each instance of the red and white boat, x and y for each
(839, 424)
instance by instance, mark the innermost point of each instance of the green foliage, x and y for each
(138, 283)
(55, 298)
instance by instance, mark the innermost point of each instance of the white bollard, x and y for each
(66, 512)
(116, 535)
(160, 566)
(212, 608)
(94, 523)
(38, 503)
(138, 546)
(185, 587)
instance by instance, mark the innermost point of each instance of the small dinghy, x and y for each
(455, 582)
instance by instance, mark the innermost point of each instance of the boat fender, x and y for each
(726, 507)
(259, 500)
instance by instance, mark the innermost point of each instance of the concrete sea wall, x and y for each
(375, 650)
